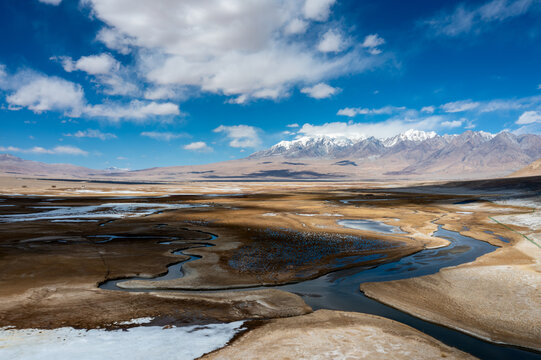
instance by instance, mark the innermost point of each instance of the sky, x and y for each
(134, 84)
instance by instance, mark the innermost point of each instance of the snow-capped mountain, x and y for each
(418, 152)
(341, 146)
(410, 135)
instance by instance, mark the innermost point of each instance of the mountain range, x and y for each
(411, 155)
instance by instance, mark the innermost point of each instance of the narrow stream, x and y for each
(339, 290)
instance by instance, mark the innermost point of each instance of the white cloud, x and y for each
(383, 129)
(428, 109)
(320, 91)
(160, 93)
(318, 10)
(331, 41)
(296, 26)
(51, 2)
(539, 87)
(464, 19)
(200, 146)
(115, 40)
(371, 42)
(241, 136)
(386, 110)
(237, 48)
(92, 133)
(135, 110)
(107, 71)
(93, 64)
(41, 93)
(57, 150)
(459, 106)
(529, 117)
(295, 125)
(163, 136)
(452, 123)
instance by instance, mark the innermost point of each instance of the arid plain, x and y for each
(97, 255)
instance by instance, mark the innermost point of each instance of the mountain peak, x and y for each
(410, 135)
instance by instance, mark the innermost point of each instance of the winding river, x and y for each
(339, 290)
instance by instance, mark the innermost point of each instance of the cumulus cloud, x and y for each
(57, 150)
(529, 117)
(383, 129)
(107, 71)
(41, 93)
(320, 91)
(331, 41)
(160, 93)
(93, 64)
(459, 106)
(386, 110)
(92, 133)
(51, 2)
(464, 19)
(295, 125)
(135, 110)
(242, 49)
(115, 40)
(240, 136)
(199, 146)
(296, 26)
(317, 9)
(428, 109)
(452, 123)
(163, 136)
(372, 43)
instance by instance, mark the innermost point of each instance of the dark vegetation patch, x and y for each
(272, 252)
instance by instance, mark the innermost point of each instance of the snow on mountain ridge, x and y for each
(343, 146)
(341, 141)
(410, 135)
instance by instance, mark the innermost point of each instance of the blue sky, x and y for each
(136, 83)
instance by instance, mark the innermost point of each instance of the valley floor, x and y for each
(83, 255)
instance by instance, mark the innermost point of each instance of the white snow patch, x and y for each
(138, 321)
(530, 202)
(108, 192)
(464, 212)
(144, 342)
(73, 221)
(530, 220)
(269, 214)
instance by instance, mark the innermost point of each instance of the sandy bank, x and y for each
(327, 334)
(496, 298)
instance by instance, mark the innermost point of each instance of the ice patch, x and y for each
(531, 202)
(107, 192)
(370, 225)
(73, 221)
(110, 210)
(144, 342)
(138, 321)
